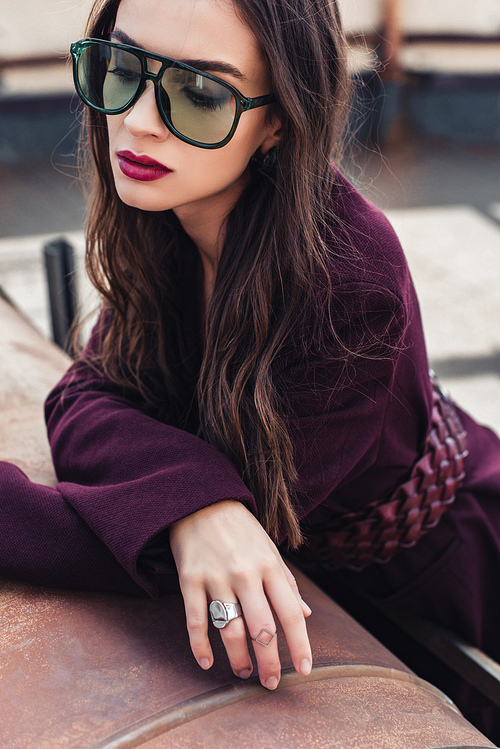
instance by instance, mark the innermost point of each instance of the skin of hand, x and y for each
(222, 552)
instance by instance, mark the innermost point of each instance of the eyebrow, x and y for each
(208, 66)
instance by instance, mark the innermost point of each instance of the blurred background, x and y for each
(426, 149)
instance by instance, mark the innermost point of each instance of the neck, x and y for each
(207, 232)
(206, 229)
(204, 222)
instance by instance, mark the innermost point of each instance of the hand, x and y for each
(222, 552)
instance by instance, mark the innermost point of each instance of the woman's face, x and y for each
(199, 179)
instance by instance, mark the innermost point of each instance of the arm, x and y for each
(126, 475)
(126, 478)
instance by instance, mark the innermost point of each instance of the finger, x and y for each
(234, 639)
(195, 605)
(306, 610)
(265, 645)
(291, 617)
(262, 629)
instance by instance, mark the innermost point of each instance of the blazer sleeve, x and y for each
(43, 541)
(124, 477)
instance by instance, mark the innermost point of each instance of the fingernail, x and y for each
(305, 667)
(306, 606)
(271, 683)
(245, 674)
(204, 663)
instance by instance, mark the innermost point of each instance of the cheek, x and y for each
(223, 168)
(201, 176)
(113, 124)
(235, 156)
(220, 164)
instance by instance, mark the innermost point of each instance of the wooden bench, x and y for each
(115, 671)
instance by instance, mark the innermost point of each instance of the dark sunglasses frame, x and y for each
(243, 103)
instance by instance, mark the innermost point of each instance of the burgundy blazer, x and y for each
(125, 476)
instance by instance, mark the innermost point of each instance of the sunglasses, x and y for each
(197, 107)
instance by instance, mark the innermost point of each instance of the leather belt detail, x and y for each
(376, 532)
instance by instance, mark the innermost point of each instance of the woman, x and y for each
(258, 372)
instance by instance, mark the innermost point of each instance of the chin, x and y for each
(142, 203)
(136, 194)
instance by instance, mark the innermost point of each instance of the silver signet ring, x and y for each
(222, 613)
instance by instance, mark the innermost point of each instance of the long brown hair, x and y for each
(274, 260)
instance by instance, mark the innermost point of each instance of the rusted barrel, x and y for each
(116, 671)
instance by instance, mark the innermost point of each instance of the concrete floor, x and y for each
(443, 200)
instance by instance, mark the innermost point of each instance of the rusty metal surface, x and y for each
(29, 368)
(345, 713)
(86, 667)
(109, 671)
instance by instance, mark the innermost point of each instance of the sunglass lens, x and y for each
(109, 77)
(200, 109)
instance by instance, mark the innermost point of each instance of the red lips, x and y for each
(141, 167)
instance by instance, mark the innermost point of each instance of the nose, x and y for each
(144, 119)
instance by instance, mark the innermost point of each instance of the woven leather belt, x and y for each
(376, 532)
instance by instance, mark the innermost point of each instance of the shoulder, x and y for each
(365, 250)
(363, 295)
(355, 327)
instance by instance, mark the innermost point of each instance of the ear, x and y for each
(273, 136)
